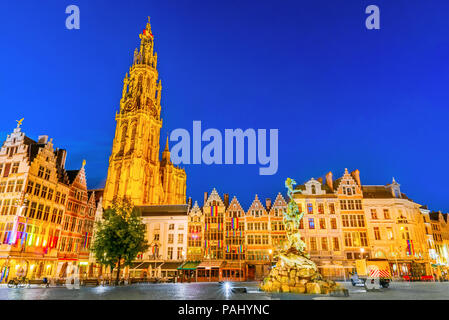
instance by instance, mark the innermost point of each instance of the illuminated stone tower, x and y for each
(135, 170)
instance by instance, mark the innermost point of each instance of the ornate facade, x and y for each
(46, 217)
(135, 169)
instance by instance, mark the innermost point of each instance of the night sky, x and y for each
(341, 96)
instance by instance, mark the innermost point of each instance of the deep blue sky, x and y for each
(340, 95)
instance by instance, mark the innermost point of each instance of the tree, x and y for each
(120, 237)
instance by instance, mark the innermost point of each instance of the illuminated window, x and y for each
(320, 208)
(40, 174)
(310, 208)
(311, 223)
(322, 223)
(334, 223)
(324, 245)
(376, 233)
(336, 244)
(373, 214)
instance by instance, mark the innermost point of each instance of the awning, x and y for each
(139, 265)
(189, 265)
(210, 264)
(171, 265)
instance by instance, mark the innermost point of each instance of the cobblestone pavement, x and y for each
(214, 291)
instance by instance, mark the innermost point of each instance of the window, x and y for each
(50, 194)
(311, 223)
(373, 214)
(73, 224)
(310, 208)
(171, 226)
(66, 222)
(331, 208)
(170, 238)
(63, 199)
(156, 237)
(54, 215)
(10, 187)
(40, 209)
(336, 244)
(40, 174)
(343, 205)
(180, 238)
(179, 253)
(15, 168)
(47, 174)
(322, 223)
(33, 209)
(59, 217)
(170, 253)
(376, 233)
(387, 214)
(313, 246)
(37, 189)
(324, 245)
(29, 187)
(389, 233)
(58, 196)
(334, 223)
(5, 208)
(44, 192)
(80, 225)
(19, 185)
(2, 186)
(46, 213)
(313, 189)
(345, 220)
(320, 208)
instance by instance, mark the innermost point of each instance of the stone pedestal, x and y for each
(296, 273)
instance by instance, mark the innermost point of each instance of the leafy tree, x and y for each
(120, 237)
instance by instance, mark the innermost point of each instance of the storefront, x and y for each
(169, 270)
(188, 271)
(233, 271)
(209, 271)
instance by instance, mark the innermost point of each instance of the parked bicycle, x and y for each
(18, 283)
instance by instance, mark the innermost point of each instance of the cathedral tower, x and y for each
(135, 171)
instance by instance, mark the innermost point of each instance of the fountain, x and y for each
(295, 272)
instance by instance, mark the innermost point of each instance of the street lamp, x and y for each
(362, 250)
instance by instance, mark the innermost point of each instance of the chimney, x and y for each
(329, 181)
(268, 204)
(205, 198)
(42, 139)
(356, 175)
(226, 199)
(61, 155)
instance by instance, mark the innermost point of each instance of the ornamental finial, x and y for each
(19, 122)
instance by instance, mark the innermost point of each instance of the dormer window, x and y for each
(313, 189)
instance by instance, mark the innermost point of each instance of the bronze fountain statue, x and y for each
(294, 271)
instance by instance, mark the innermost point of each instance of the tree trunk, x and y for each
(118, 273)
